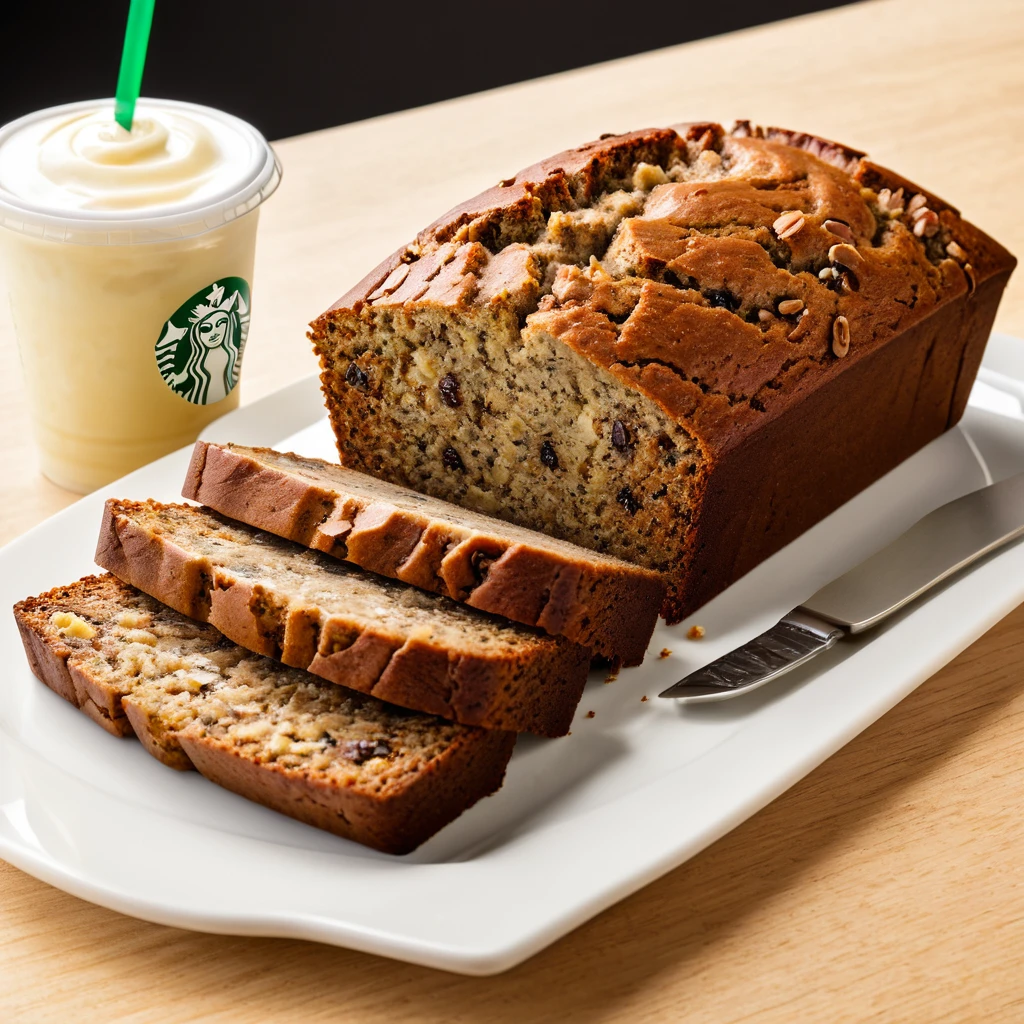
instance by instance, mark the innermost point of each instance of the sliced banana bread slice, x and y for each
(596, 600)
(352, 627)
(338, 760)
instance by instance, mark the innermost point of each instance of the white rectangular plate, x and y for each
(580, 822)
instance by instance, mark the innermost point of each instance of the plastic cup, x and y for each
(131, 322)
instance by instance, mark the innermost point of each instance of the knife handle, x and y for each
(946, 540)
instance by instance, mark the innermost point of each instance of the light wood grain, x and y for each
(889, 885)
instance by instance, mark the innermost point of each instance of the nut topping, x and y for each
(926, 222)
(840, 336)
(891, 202)
(837, 227)
(788, 224)
(764, 315)
(845, 254)
(916, 203)
(956, 252)
(972, 281)
(571, 285)
(790, 306)
(801, 327)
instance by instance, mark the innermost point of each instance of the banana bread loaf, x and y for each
(679, 346)
(357, 629)
(595, 600)
(338, 760)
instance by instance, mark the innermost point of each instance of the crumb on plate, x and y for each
(665, 652)
(590, 714)
(695, 633)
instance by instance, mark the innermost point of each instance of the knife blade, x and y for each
(942, 543)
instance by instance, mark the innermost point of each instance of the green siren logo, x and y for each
(199, 353)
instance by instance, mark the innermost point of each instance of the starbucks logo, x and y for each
(199, 352)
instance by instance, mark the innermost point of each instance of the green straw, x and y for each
(133, 60)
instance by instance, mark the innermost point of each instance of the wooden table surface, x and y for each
(889, 884)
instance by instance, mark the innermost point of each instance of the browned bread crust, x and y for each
(790, 319)
(595, 600)
(356, 629)
(422, 772)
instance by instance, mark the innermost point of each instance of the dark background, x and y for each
(292, 66)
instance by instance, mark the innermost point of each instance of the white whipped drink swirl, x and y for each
(86, 161)
(128, 260)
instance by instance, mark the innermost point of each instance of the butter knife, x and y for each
(942, 543)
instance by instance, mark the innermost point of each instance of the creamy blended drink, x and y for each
(128, 258)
